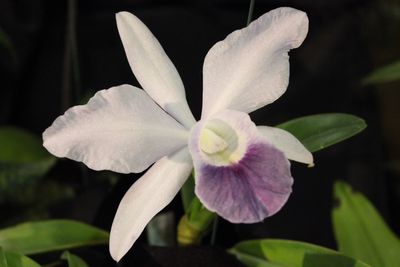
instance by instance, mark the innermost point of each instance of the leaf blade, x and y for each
(287, 253)
(73, 260)
(19, 146)
(10, 259)
(3, 259)
(44, 236)
(23, 161)
(387, 73)
(361, 232)
(320, 131)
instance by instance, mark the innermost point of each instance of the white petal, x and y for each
(287, 143)
(152, 68)
(119, 129)
(250, 68)
(149, 195)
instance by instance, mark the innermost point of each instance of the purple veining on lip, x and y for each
(249, 191)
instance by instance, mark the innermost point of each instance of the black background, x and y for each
(346, 40)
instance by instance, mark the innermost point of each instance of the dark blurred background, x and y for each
(61, 53)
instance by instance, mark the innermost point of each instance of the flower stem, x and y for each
(187, 234)
(71, 64)
(214, 231)
(250, 14)
(71, 93)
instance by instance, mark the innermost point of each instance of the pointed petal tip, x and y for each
(308, 158)
(115, 257)
(117, 253)
(121, 14)
(127, 19)
(311, 162)
(119, 246)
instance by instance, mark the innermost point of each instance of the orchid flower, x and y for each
(242, 171)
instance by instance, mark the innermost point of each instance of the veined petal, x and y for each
(119, 129)
(153, 69)
(149, 195)
(287, 143)
(250, 68)
(245, 181)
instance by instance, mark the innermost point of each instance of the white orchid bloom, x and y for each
(242, 171)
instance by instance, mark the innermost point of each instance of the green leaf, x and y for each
(23, 161)
(4, 40)
(6, 43)
(18, 146)
(388, 73)
(287, 253)
(361, 232)
(45, 236)
(11, 259)
(17, 179)
(3, 258)
(73, 260)
(319, 131)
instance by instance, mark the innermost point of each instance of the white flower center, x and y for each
(221, 144)
(211, 143)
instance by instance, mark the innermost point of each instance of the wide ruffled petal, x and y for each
(153, 69)
(244, 180)
(250, 68)
(119, 129)
(149, 195)
(287, 143)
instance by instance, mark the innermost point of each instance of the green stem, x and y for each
(251, 9)
(70, 91)
(187, 193)
(214, 231)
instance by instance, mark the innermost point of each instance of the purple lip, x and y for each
(249, 191)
